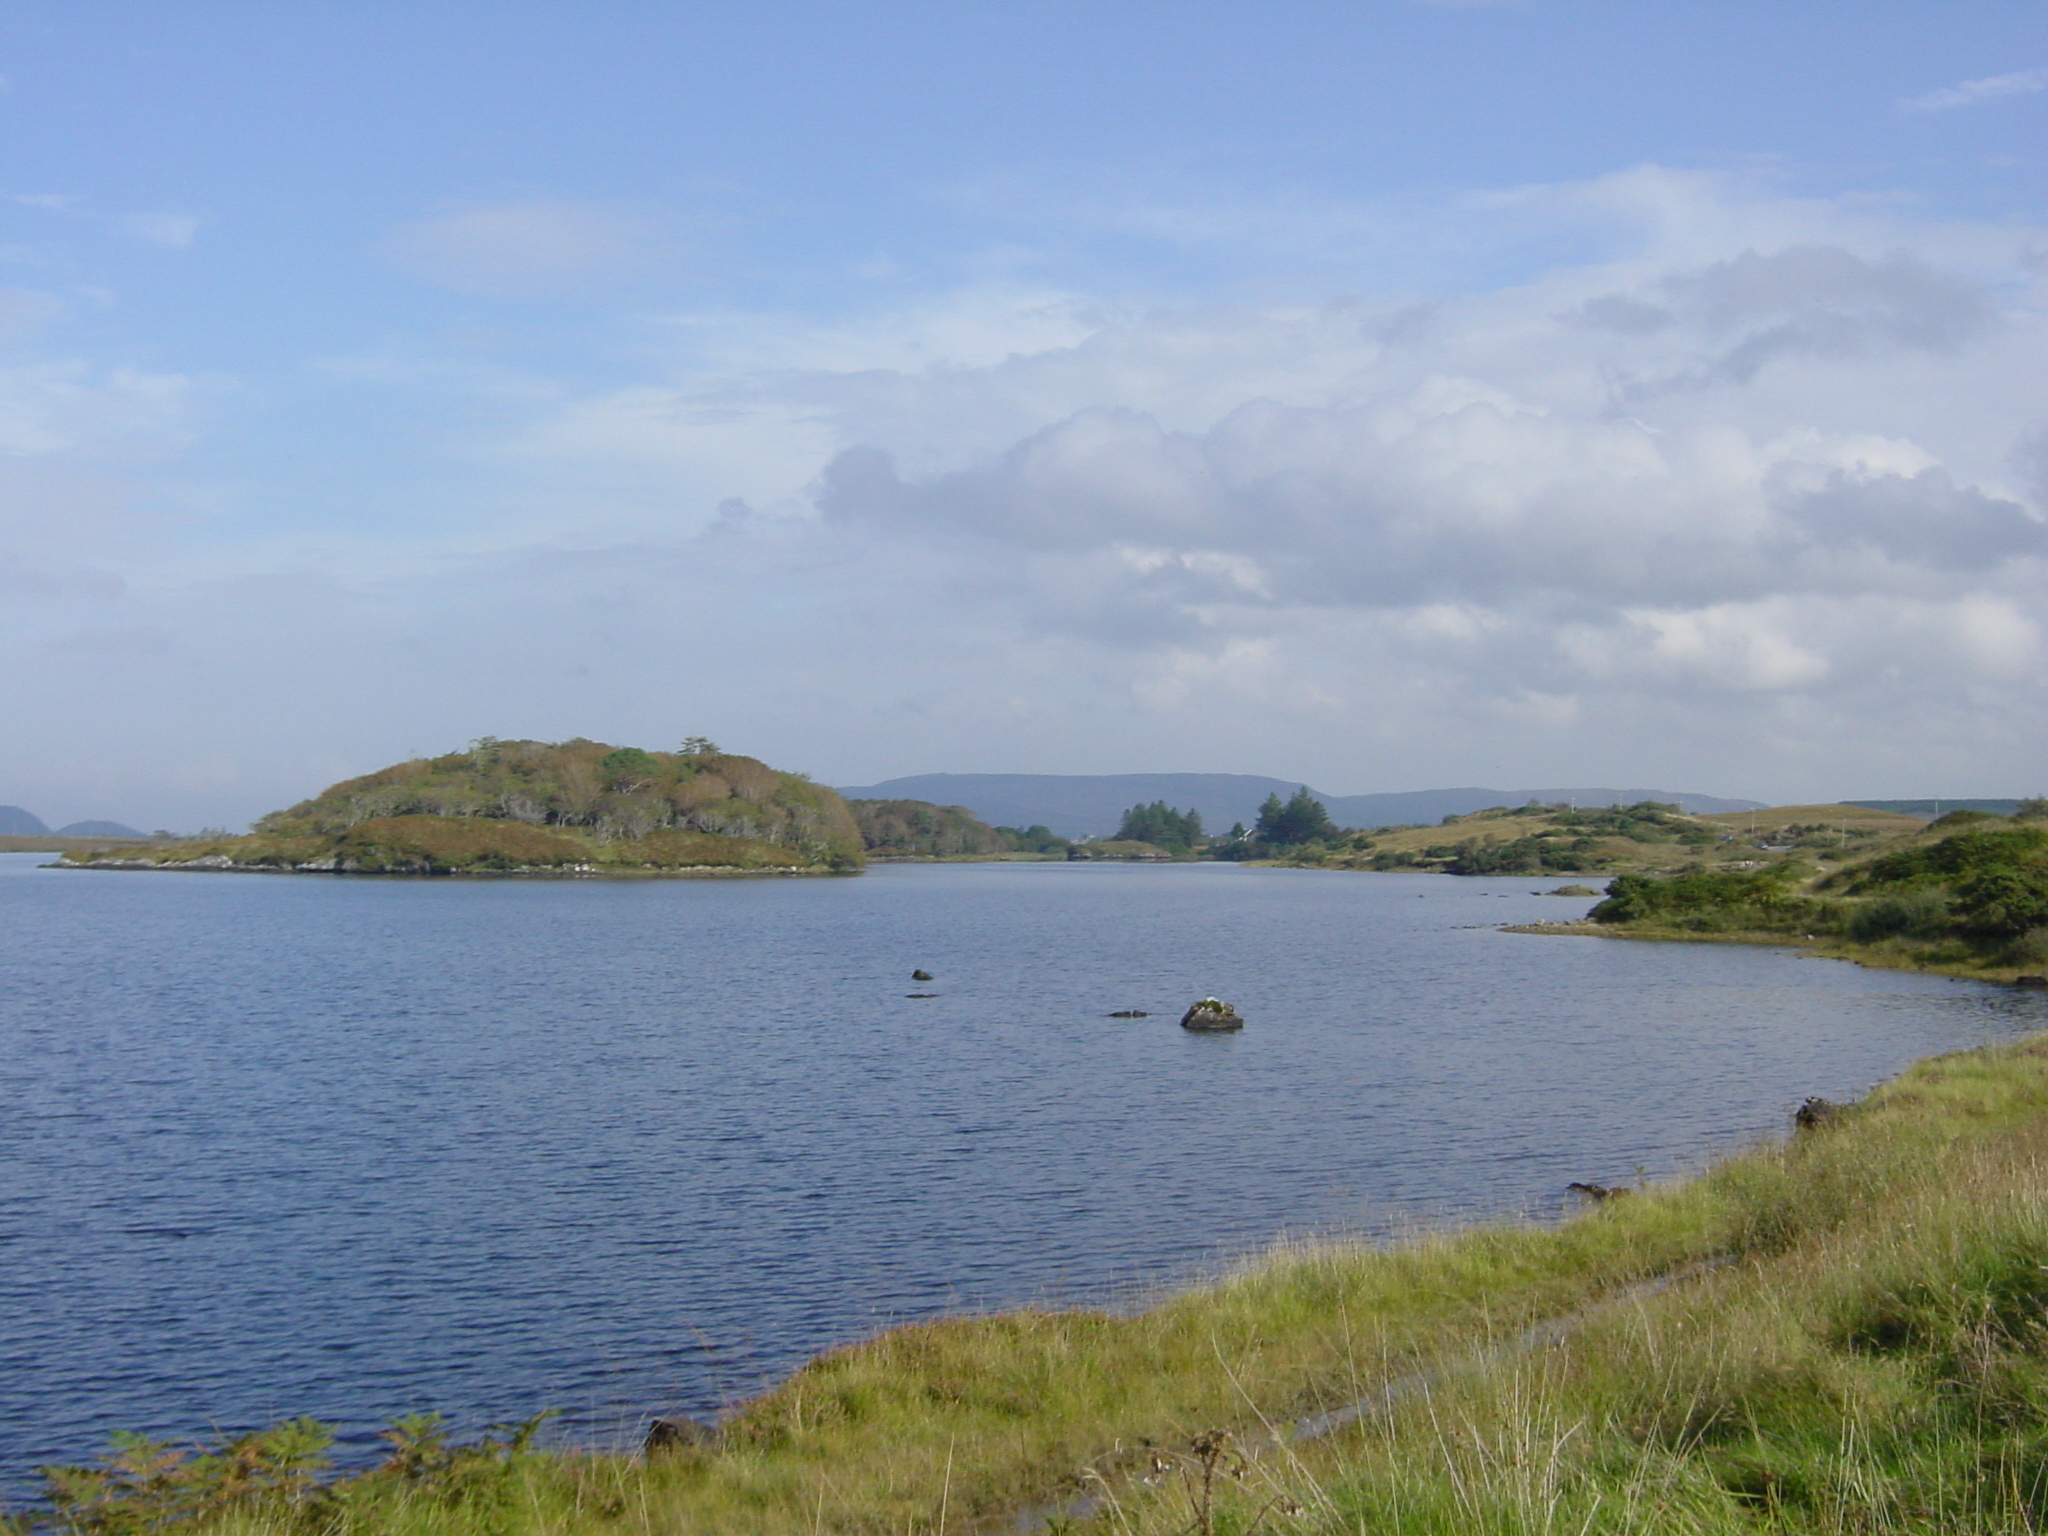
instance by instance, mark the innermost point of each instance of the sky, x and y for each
(1381, 394)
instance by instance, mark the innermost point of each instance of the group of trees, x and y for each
(914, 828)
(1283, 827)
(1163, 827)
(919, 829)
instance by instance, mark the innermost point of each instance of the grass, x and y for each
(1856, 1339)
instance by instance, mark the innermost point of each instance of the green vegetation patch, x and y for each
(919, 829)
(1971, 896)
(539, 807)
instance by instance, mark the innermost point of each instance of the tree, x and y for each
(627, 765)
(1301, 820)
(1036, 838)
(1162, 826)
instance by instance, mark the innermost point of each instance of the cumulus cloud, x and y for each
(1754, 503)
(1972, 93)
(519, 249)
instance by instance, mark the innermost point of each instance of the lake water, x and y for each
(358, 1147)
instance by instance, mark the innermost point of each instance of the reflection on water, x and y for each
(356, 1147)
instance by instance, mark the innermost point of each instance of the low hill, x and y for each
(15, 822)
(98, 829)
(1967, 895)
(1092, 805)
(1929, 809)
(1648, 836)
(539, 807)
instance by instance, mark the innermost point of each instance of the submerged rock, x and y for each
(1211, 1016)
(1130, 1013)
(920, 975)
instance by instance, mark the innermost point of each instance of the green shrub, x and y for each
(1721, 894)
(1915, 915)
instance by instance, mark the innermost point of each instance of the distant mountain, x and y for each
(15, 822)
(98, 829)
(1091, 805)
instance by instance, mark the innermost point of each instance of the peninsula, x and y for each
(536, 808)
(1965, 896)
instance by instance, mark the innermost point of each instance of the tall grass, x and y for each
(1851, 1334)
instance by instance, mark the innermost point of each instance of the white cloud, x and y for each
(517, 249)
(172, 229)
(1750, 502)
(1971, 93)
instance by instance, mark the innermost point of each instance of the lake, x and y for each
(357, 1147)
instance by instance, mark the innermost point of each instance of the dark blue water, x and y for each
(351, 1147)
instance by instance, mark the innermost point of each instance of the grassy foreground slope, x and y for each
(538, 807)
(1847, 1332)
(1968, 895)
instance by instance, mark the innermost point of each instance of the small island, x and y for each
(536, 808)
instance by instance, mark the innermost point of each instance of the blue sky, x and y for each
(1385, 395)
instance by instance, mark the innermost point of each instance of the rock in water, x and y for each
(920, 975)
(677, 1433)
(1596, 1192)
(1211, 1016)
(1816, 1113)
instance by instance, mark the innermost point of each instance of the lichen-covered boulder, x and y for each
(1211, 1016)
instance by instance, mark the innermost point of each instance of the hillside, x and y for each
(1092, 805)
(1606, 840)
(538, 807)
(1967, 895)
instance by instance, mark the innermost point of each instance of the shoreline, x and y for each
(1323, 1372)
(207, 866)
(1871, 957)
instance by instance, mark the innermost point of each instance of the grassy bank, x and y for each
(1968, 896)
(1854, 1336)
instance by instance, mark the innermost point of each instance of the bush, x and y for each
(2003, 904)
(1915, 915)
(1726, 895)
